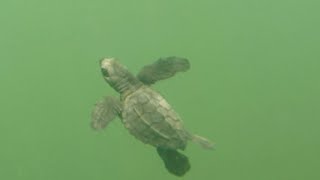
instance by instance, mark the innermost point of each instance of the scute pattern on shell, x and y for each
(148, 117)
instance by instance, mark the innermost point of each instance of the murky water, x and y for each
(253, 87)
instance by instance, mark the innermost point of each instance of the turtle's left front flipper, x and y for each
(105, 111)
(163, 68)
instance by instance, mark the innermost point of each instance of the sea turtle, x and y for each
(144, 112)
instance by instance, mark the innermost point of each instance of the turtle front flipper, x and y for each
(105, 111)
(163, 68)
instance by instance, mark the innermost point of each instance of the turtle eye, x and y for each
(105, 72)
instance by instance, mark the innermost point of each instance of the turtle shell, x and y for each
(148, 117)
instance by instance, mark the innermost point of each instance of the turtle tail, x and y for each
(175, 162)
(205, 143)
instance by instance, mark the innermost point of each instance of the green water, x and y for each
(253, 87)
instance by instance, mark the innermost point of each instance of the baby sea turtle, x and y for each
(144, 112)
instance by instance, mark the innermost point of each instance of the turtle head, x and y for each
(117, 75)
(112, 70)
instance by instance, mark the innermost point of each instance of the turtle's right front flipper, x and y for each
(163, 68)
(105, 111)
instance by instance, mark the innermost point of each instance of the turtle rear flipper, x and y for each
(163, 68)
(175, 162)
(105, 111)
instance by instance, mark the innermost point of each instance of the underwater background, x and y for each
(253, 87)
